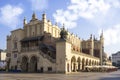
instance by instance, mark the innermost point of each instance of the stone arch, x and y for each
(73, 64)
(24, 63)
(79, 63)
(83, 64)
(33, 64)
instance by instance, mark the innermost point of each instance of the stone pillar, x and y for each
(18, 66)
(29, 66)
(81, 66)
(76, 64)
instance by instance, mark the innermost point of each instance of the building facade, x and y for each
(43, 47)
(116, 59)
(2, 55)
(2, 59)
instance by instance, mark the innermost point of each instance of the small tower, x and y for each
(63, 33)
(102, 38)
(24, 21)
(94, 38)
(63, 51)
(91, 45)
(34, 17)
(101, 48)
(91, 37)
(44, 17)
(56, 23)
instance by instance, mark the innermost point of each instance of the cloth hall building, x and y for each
(43, 47)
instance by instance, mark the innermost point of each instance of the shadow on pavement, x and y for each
(111, 78)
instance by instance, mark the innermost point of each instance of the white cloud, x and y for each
(87, 9)
(10, 15)
(39, 4)
(111, 35)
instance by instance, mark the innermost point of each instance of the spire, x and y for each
(94, 37)
(102, 33)
(44, 15)
(63, 26)
(63, 33)
(101, 36)
(91, 36)
(56, 23)
(34, 16)
(24, 21)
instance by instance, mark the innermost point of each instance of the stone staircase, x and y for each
(47, 56)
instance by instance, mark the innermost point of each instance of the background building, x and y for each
(116, 59)
(2, 59)
(44, 47)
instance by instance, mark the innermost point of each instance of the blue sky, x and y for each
(81, 17)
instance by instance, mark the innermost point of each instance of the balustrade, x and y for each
(27, 49)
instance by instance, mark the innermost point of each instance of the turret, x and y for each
(24, 21)
(44, 17)
(63, 33)
(91, 45)
(102, 38)
(56, 23)
(63, 53)
(34, 17)
(101, 48)
(91, 37)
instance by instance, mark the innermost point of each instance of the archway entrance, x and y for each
(89, 62)
(33, 64)
(73, 64)
(86, 62)
(24, 64)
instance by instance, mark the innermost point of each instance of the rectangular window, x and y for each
(49, 68)
(15, 55)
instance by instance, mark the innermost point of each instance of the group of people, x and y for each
(100, 68)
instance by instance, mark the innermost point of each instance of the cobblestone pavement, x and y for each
(75, 76)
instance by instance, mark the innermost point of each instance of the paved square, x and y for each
(75, 76)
